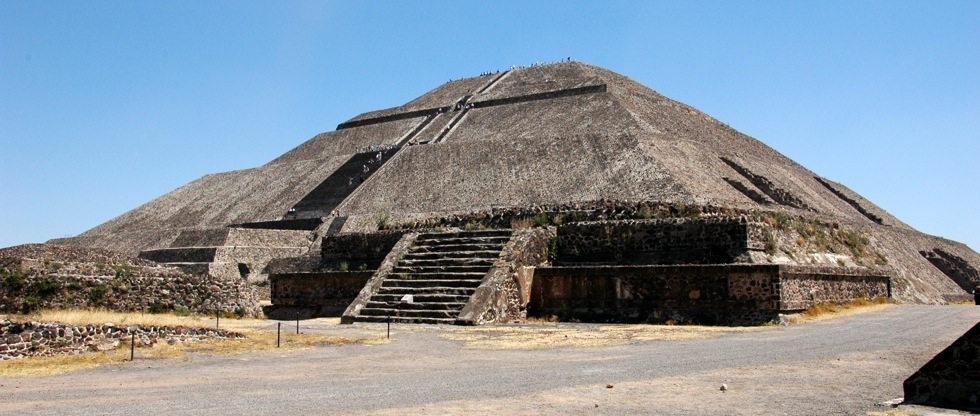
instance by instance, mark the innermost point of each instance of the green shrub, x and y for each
(384, 220)
(182, 311)
(123, 271)
(96, 295)
(645, 213)
(541, 220)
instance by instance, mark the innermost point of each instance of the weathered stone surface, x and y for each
(50, 276)
(28, 339)
(952, 378)
(706, 294)
(551, 135)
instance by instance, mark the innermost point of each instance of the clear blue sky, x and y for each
(105, 105)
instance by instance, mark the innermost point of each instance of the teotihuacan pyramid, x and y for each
(569, 142)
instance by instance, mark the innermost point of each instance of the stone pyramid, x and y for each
(544, 136)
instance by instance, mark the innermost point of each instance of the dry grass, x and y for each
(893, 412)
(260, 335)
(102, 316)
(833, 310)
(537, 337)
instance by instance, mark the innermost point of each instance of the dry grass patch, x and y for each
(260, 335)
(541, 337)
(102, 316)
(833, 310)
(893, 412)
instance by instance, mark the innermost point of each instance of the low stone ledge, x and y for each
(726, 294)
(42, 339)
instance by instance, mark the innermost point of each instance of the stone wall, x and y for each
(506, 289)
(360, 251)
(952, 378)
(181, 255)
(667, 241)
(802, 287)
(40, 339)
(314, 294)
(539, 215)
(702, 294)
(45, 276)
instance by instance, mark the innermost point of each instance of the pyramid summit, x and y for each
(565, 149)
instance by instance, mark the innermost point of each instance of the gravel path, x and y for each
(838, 366)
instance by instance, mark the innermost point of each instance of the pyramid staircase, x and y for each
(435, 279)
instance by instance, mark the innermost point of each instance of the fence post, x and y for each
(278, 333)
(132, 346)
(389, 327)
(297, 323)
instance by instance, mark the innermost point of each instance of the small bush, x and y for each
(770, 243)
(384, 220)
(645, 213)
(123, 271)
(344, 266)
(182, 311)
(97, 294)
(541, 220)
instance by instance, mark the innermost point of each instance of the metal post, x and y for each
(297, 323)
(278, 334)
(217, 318)
(132, 346)
(389, 327)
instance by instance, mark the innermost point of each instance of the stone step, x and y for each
(400, 269)
(449, 306)
(438, 276)
(461, 240)
(431, 283)
(410, 313)
(463, 261)
(482, 254)
(466, 234)
(421, 298)
(476, 246)
(406, 320)
(401, 291)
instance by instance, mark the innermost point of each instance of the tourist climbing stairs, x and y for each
(435, 279)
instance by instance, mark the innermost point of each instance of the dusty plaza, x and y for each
(844, 365)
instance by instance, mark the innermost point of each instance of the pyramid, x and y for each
(547, 138)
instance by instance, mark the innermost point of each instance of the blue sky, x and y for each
(105, 105)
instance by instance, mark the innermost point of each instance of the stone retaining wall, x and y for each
(33, 339)
(702, 294)
(801, 287)
(318, 294)
(137, 289)
(360, 251)
(667, 241)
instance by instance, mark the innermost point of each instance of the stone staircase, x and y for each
(435, 279)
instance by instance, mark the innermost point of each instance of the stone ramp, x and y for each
(339, 185)
(435, 279)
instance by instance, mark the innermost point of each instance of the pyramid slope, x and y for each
(551, 134)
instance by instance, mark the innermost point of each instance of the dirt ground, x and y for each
(843, 365)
